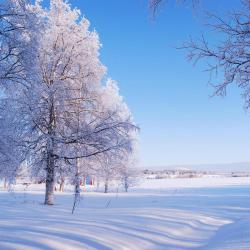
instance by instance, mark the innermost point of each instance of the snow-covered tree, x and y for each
(112, 162)
(63, 105)
(108, 171)
(61, 115)
(67, 63)
(18, 43)
(12, 149)
(127, 171)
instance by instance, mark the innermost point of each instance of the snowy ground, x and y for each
(207, 213)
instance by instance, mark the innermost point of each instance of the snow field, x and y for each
(165, 214)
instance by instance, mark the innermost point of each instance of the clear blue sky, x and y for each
(169, 98)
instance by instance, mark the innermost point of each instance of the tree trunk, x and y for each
(97, 184)
(78, 181)
(61, 188)
(5, 183)
(50, 181)
(106, 186)
(50, 175)
(126, 187)
(126, 184)
(77, 186)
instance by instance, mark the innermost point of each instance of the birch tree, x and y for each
(11, 147)
(18, 26)
(67, 58)
(16, 47)
(113, 103)
(127, 171)
(63, 104)
(63, 114)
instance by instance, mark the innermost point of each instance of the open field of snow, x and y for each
(206, 213)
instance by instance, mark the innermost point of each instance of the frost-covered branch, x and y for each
(231, 56)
